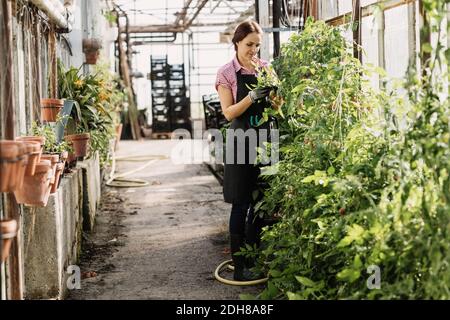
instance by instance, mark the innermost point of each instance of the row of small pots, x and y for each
(21, 159)
(18, 159)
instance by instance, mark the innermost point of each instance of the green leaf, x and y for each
(349, 275)
(294, 296)
(275, 273)
(305, 281)
(355, 233)
(427, 48)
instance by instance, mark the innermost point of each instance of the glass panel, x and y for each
(367, 2)
(328, 9)
(345, 6)
(396, 41)
(369, 41)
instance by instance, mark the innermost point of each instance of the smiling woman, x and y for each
(243, 107)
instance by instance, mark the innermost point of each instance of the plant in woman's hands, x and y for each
(266, 76)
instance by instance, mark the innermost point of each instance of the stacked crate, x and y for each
(171, 106)
(180, 106)
(160, 103)
(214, 117)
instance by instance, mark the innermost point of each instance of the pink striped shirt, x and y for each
(226, 76)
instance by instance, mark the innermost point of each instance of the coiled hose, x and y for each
(228, 264)
(119, 181)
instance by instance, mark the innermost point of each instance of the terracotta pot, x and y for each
(91, 44)
(34, 156)
(50, 109)
(8, 231)
(92, 57)
(39, 139)
(79, 143)
(59, 171)
(54, 159)
(63, 156)
(71, 158)
(18, 166)
(9, 151)
(36, 189)
(22, 163)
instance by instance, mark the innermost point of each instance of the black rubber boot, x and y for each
(241, 273)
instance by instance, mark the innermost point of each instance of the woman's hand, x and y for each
(276, 100)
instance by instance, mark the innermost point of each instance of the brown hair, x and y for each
(244, 29)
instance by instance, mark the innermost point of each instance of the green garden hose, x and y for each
(227, 264)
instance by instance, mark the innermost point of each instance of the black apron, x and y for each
(240, 179)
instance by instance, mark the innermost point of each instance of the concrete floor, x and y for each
(162, 241)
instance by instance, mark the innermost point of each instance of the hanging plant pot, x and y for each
(36, 189)
(91, 48)
(22, 162)
(79, 143)
(50, 109)
(9, 152)
(92, 57)
(39, 139)
(71, 161)
(8, 231)
(13, 169)
(54, 159)
(58, 175)
(34, 156)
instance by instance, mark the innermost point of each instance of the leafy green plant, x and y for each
(99, 100)
(48, 132)
(363, 178)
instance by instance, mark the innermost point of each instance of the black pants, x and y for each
(244, 222)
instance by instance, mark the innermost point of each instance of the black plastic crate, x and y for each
(176, 76)
(177, 68)
(179, 100)
(175, 84)
(159, 92)
(160, 108)
(180, 108)
(159, 84)
(161, 127)
(158, 75)
(177, 92)
(159, 67)
(159, 100)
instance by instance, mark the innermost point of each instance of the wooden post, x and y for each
(125, 73)
(14, 286)
(356, 29)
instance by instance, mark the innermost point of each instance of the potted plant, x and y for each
(54, 151)
(8, 231)
(91, 49)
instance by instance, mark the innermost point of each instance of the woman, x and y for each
(243, 107)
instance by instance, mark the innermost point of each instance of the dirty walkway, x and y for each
(162, 241)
